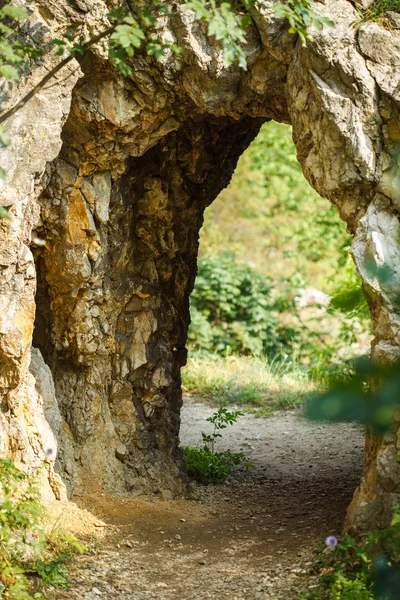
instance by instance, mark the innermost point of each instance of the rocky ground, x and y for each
(250, 538)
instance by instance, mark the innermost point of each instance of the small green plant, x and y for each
(29, 559)
(377, 11)
(220, 419)
(21, 537)
(364, 569)
(204, 464)
(212, 467)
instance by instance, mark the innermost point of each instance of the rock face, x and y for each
(114, 175)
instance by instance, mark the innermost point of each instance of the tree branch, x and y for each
(7, 114)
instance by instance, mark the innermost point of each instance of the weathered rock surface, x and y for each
(114, 175)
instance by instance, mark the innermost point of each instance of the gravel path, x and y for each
(249, 538)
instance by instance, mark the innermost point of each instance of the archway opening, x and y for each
(275, 280)
(277, 310)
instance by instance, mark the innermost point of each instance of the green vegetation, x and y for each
(30, 560)
(12, 53)
(211, 467)
(370, 395)
(248, 381)
(271, 217)
(377, 11)
(205, 464)
(251, 342)
(227, 22)
(234, 310)
(364, 569)
(300, 15)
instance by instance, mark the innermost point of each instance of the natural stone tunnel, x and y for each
(114, 174)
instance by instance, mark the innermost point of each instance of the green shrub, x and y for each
(234, 309)
(29, 560)
(204, 464)
(346, 589)
(364, 569)
(211, 467)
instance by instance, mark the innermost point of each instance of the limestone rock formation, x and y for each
(108, 179)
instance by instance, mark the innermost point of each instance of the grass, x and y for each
(377, 11)
(254, 383)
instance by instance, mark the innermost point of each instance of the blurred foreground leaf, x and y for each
(3, 212)
(371, 396)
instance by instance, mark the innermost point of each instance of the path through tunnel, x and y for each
(267, 241)
(250, 537)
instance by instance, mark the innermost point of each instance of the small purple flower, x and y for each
(331, 541)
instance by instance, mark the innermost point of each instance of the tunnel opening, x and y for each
(114, 272)
(273, 263)
(275, 276)
(113, 284)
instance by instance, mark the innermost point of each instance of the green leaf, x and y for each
(5, 139)
(130, 20)
(14, 12)
(3, 212)
(5, 29)
(77, 49)
(327, 21)
(176, 49)
(156, 50)
(9, 72)
(11, 54)
(124, 69)
(116, 14)
(317, 24)
(396, 520)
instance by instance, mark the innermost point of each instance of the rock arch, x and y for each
(115, 173)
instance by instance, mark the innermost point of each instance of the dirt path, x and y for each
(249, 538)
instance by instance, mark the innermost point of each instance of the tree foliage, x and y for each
(289, 237)
(273, 219)
(234, 310)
